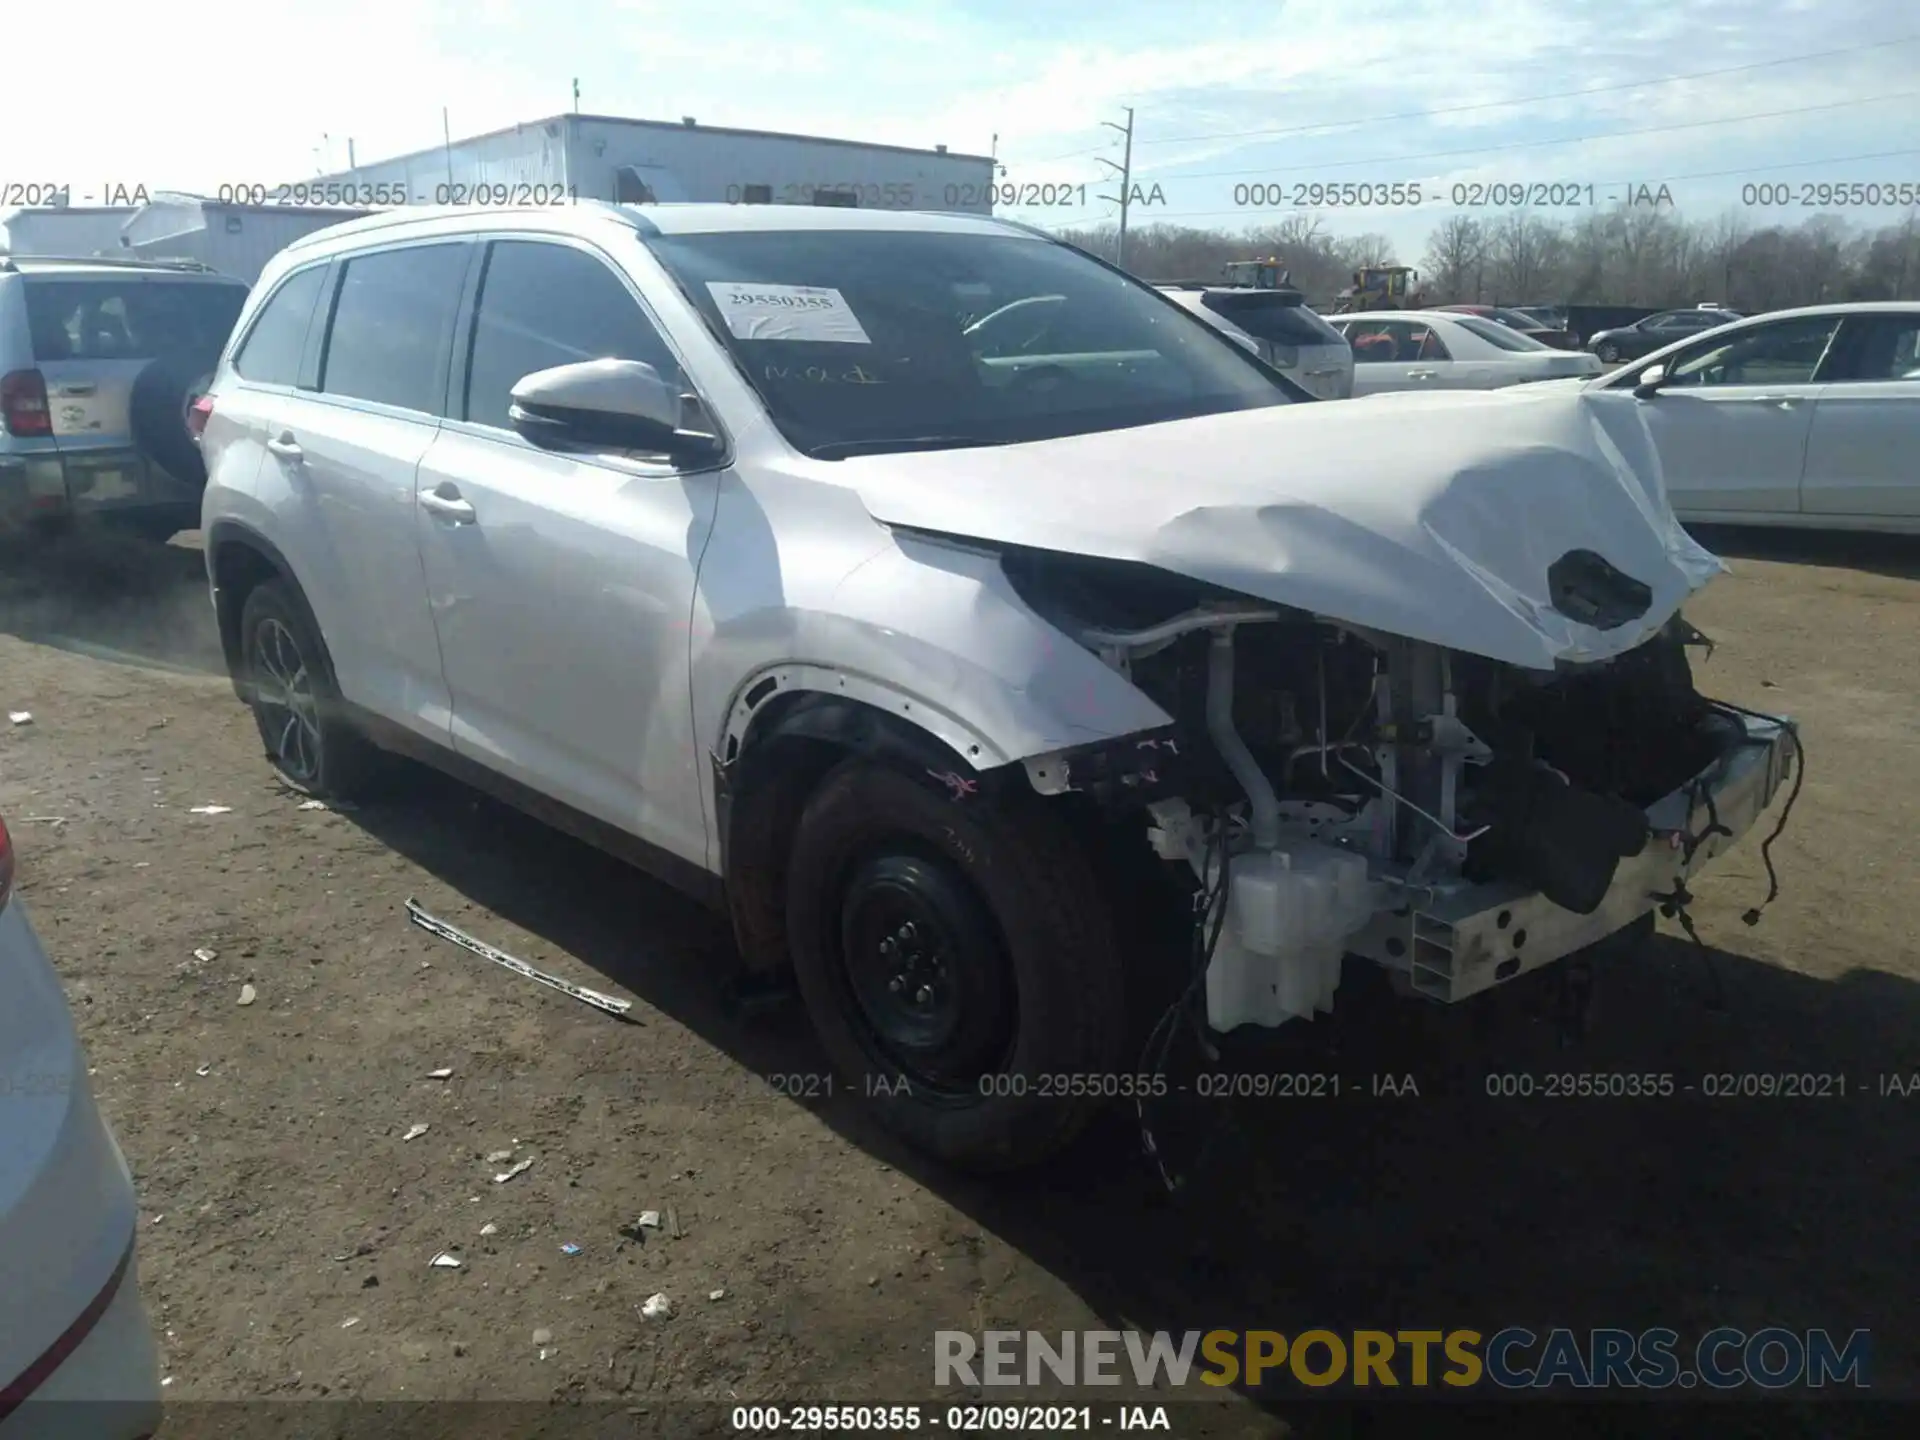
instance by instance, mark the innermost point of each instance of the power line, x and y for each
(1564, 140)
(1497, 104)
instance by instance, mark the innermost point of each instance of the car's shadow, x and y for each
(1428, 1193)
(1897, 556)
(111, 596)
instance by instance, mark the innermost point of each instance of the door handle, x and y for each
(286, 447)
(1785, 402)
(1421, 374)
(447, 507)
(78, 387)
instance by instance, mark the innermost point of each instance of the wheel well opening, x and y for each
(237, 569)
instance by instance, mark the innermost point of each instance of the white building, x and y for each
(600, 157)
(236, 240)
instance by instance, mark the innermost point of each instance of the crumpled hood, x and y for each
(1430, 516)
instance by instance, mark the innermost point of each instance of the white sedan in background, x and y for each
(1444, 350)
(1806, 417)
(72, 1326)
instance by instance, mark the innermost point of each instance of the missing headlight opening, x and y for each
(1456, 819)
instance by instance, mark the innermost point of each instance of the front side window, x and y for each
(543, 305)
(391, 322)
(1784, 354)
(129, 318)
(270, 355)
(869, 340)
(1394, 342)
(1890, 349)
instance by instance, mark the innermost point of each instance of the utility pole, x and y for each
(1125, 169)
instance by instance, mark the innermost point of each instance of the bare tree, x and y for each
(1452, 262)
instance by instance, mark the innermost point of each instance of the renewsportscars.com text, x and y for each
(1514, 1358)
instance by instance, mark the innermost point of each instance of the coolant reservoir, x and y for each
(1290, 914)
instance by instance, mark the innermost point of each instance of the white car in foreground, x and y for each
(969, 622)
(1277, 326)
(1443, 350)
(72, 1326)
(1806, 417)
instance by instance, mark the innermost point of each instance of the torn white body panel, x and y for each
(1433, 517)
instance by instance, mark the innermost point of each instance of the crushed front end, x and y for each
(1457, 819)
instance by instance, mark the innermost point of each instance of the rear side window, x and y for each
(1498, 335)
(129, 318)
(1275, 318)
(270, 355)
(390, 327)
(543, 305)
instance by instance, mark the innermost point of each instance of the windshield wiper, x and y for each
(841, 449)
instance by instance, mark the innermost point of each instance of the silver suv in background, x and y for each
(100, 363)
(1278, 327)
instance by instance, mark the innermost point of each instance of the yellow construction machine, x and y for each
(1380, 287)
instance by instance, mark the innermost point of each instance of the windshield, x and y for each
(1497, 334)
(1518, 319)
(861, 341)
(1271, 315)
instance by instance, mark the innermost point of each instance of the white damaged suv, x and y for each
(938, 599)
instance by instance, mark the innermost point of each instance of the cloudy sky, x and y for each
(1704, 96)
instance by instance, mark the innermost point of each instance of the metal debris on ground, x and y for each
(489, 1228)
(569, 1249)
(716, 1294)
(211, 810)
(54, 820)
(204, 1070)
(609, 1003)
(658, 1307)
(349, 1322)
(203, 954)
(445, 1072)
(414, 1132)
(313, 804)
(20, 717)
(519, 1167)
(247, 994)
(649, 1220)
(445, 1261)
(499, 1157)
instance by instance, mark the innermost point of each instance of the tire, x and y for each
(1016, 940)
(1609, 354)
(308, 740)
(157, 413)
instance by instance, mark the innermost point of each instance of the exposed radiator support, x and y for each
(1264, 803)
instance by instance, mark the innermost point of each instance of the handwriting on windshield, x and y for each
(823, 375)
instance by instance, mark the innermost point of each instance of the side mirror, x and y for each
(600, 405)
(1650, 382)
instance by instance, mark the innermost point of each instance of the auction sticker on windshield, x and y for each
(787, 312)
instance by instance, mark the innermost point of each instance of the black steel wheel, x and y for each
(927, 970)
(957, 959)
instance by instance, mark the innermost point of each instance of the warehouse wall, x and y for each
(584, 155)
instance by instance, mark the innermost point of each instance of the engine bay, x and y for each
(1317, 774)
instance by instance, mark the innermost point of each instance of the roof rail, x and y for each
(117, 262)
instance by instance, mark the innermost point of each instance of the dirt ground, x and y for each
(807, 1258)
